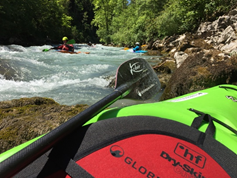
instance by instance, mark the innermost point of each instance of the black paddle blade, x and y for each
(138, 71)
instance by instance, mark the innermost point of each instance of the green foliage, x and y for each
(75, 32)
(196, 11)
(104, 11)
(66, 21)
(82, 13)
(170, 19)
(120, 22)
(114, 21)
(144, 20)
(29, 20)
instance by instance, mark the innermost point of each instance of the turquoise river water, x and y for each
(67, 78)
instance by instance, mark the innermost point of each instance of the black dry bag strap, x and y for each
(73, 169)
(63, 162)
(210, 128)
(216, 120)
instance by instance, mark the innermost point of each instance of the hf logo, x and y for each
(190, 155)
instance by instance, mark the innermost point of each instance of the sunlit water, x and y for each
(67, 78)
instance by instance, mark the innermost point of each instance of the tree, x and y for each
(82, 13)
(34, 21)
(104, 12)
(136, 22)
(114, 21)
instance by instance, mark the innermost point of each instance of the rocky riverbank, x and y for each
(207, 58)
(190, 62)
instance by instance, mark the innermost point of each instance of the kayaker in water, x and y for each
(65, 46)
(137, 47)
(89, 44)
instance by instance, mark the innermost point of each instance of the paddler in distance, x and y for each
(137, 47)
(65, 46)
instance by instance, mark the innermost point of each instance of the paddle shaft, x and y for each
(21, 159)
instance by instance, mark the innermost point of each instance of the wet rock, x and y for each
(112, 82)
(7, 72)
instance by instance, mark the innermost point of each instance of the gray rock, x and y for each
(180, 57)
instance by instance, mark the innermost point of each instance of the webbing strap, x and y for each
(210, 129)
(225, 87)
(67, 164)
(218, 121)
(198, 121)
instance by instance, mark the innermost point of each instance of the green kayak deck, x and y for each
(220, 102)
(198, 130)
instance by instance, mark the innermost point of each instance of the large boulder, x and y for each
(199, 71)
(221, 33)
(7, 71)
(26, 118)
(165, 70)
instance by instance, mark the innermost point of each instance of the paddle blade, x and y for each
(138, 71)
(72, 41)
(45, 50)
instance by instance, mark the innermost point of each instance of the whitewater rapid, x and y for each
(67, 78)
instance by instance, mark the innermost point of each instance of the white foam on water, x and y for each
(95, 82)
(13, 48)
(4, 49)
(94, 68)
(2, 77)
(66, 78)
(47, 85)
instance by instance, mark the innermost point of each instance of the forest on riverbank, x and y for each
(120, 22)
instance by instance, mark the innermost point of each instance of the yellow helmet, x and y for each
(65, 38)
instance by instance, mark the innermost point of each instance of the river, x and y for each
(67, 78)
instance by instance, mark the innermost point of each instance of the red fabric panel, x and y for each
(151, 156)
